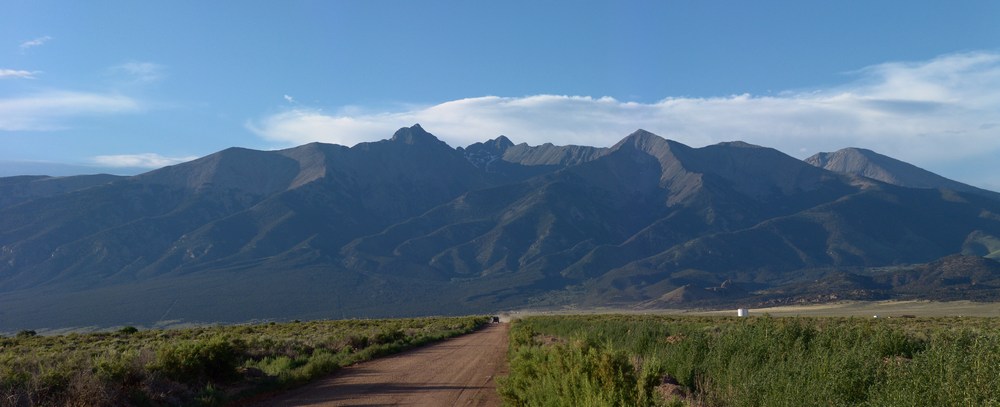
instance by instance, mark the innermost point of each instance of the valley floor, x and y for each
(916, 308)
(880, 308)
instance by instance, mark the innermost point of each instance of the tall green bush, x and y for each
(212, 360)
(765, 361)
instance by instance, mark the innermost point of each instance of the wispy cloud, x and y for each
(14, 73)
(51, 110)
(300, 126)
(35, 42)
(139, 72)
(940, 109)
(146, 160)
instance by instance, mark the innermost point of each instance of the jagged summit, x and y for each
(549, 154)
(414, 135)
(499, 154)
(483, 153)
(501, 143)
(497, 145)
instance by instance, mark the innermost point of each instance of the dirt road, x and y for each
(455, 372)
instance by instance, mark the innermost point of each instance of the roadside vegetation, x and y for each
(634, 360)
(199, 366)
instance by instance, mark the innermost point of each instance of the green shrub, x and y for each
(357, 342)
(320, 363)
(215, 359)
(390, 336)
(27, 333)
(118, 367)
(760, 361)
(211, 396)
(520, 335)
(577, 374)
(197, 366)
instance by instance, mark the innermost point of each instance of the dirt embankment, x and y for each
(456, 372)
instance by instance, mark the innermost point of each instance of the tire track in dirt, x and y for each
(455, 372)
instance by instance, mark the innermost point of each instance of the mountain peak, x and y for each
(870, 164)
(843, 157)
(501, 142)
(641, 135)
(413, 135)
(483, 153)
(639, 139)
(642, 140)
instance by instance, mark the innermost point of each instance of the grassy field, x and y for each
(832, 309)
(880, 308)
(650, 360)
(198, 366)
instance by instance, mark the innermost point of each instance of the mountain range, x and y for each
(411, 226)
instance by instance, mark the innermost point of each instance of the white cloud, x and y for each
(140, 72)
(289, 99)
(49, 110)
(930, 111)
(13, 73)
(146, 160)
(35, 42)
(302, 126)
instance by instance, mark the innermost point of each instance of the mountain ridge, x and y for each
(869, 164)
(409, 225)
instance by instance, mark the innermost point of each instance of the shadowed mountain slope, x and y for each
(233, 206)
(409, 226)
(15, 190)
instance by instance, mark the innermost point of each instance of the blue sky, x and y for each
(125, 86)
